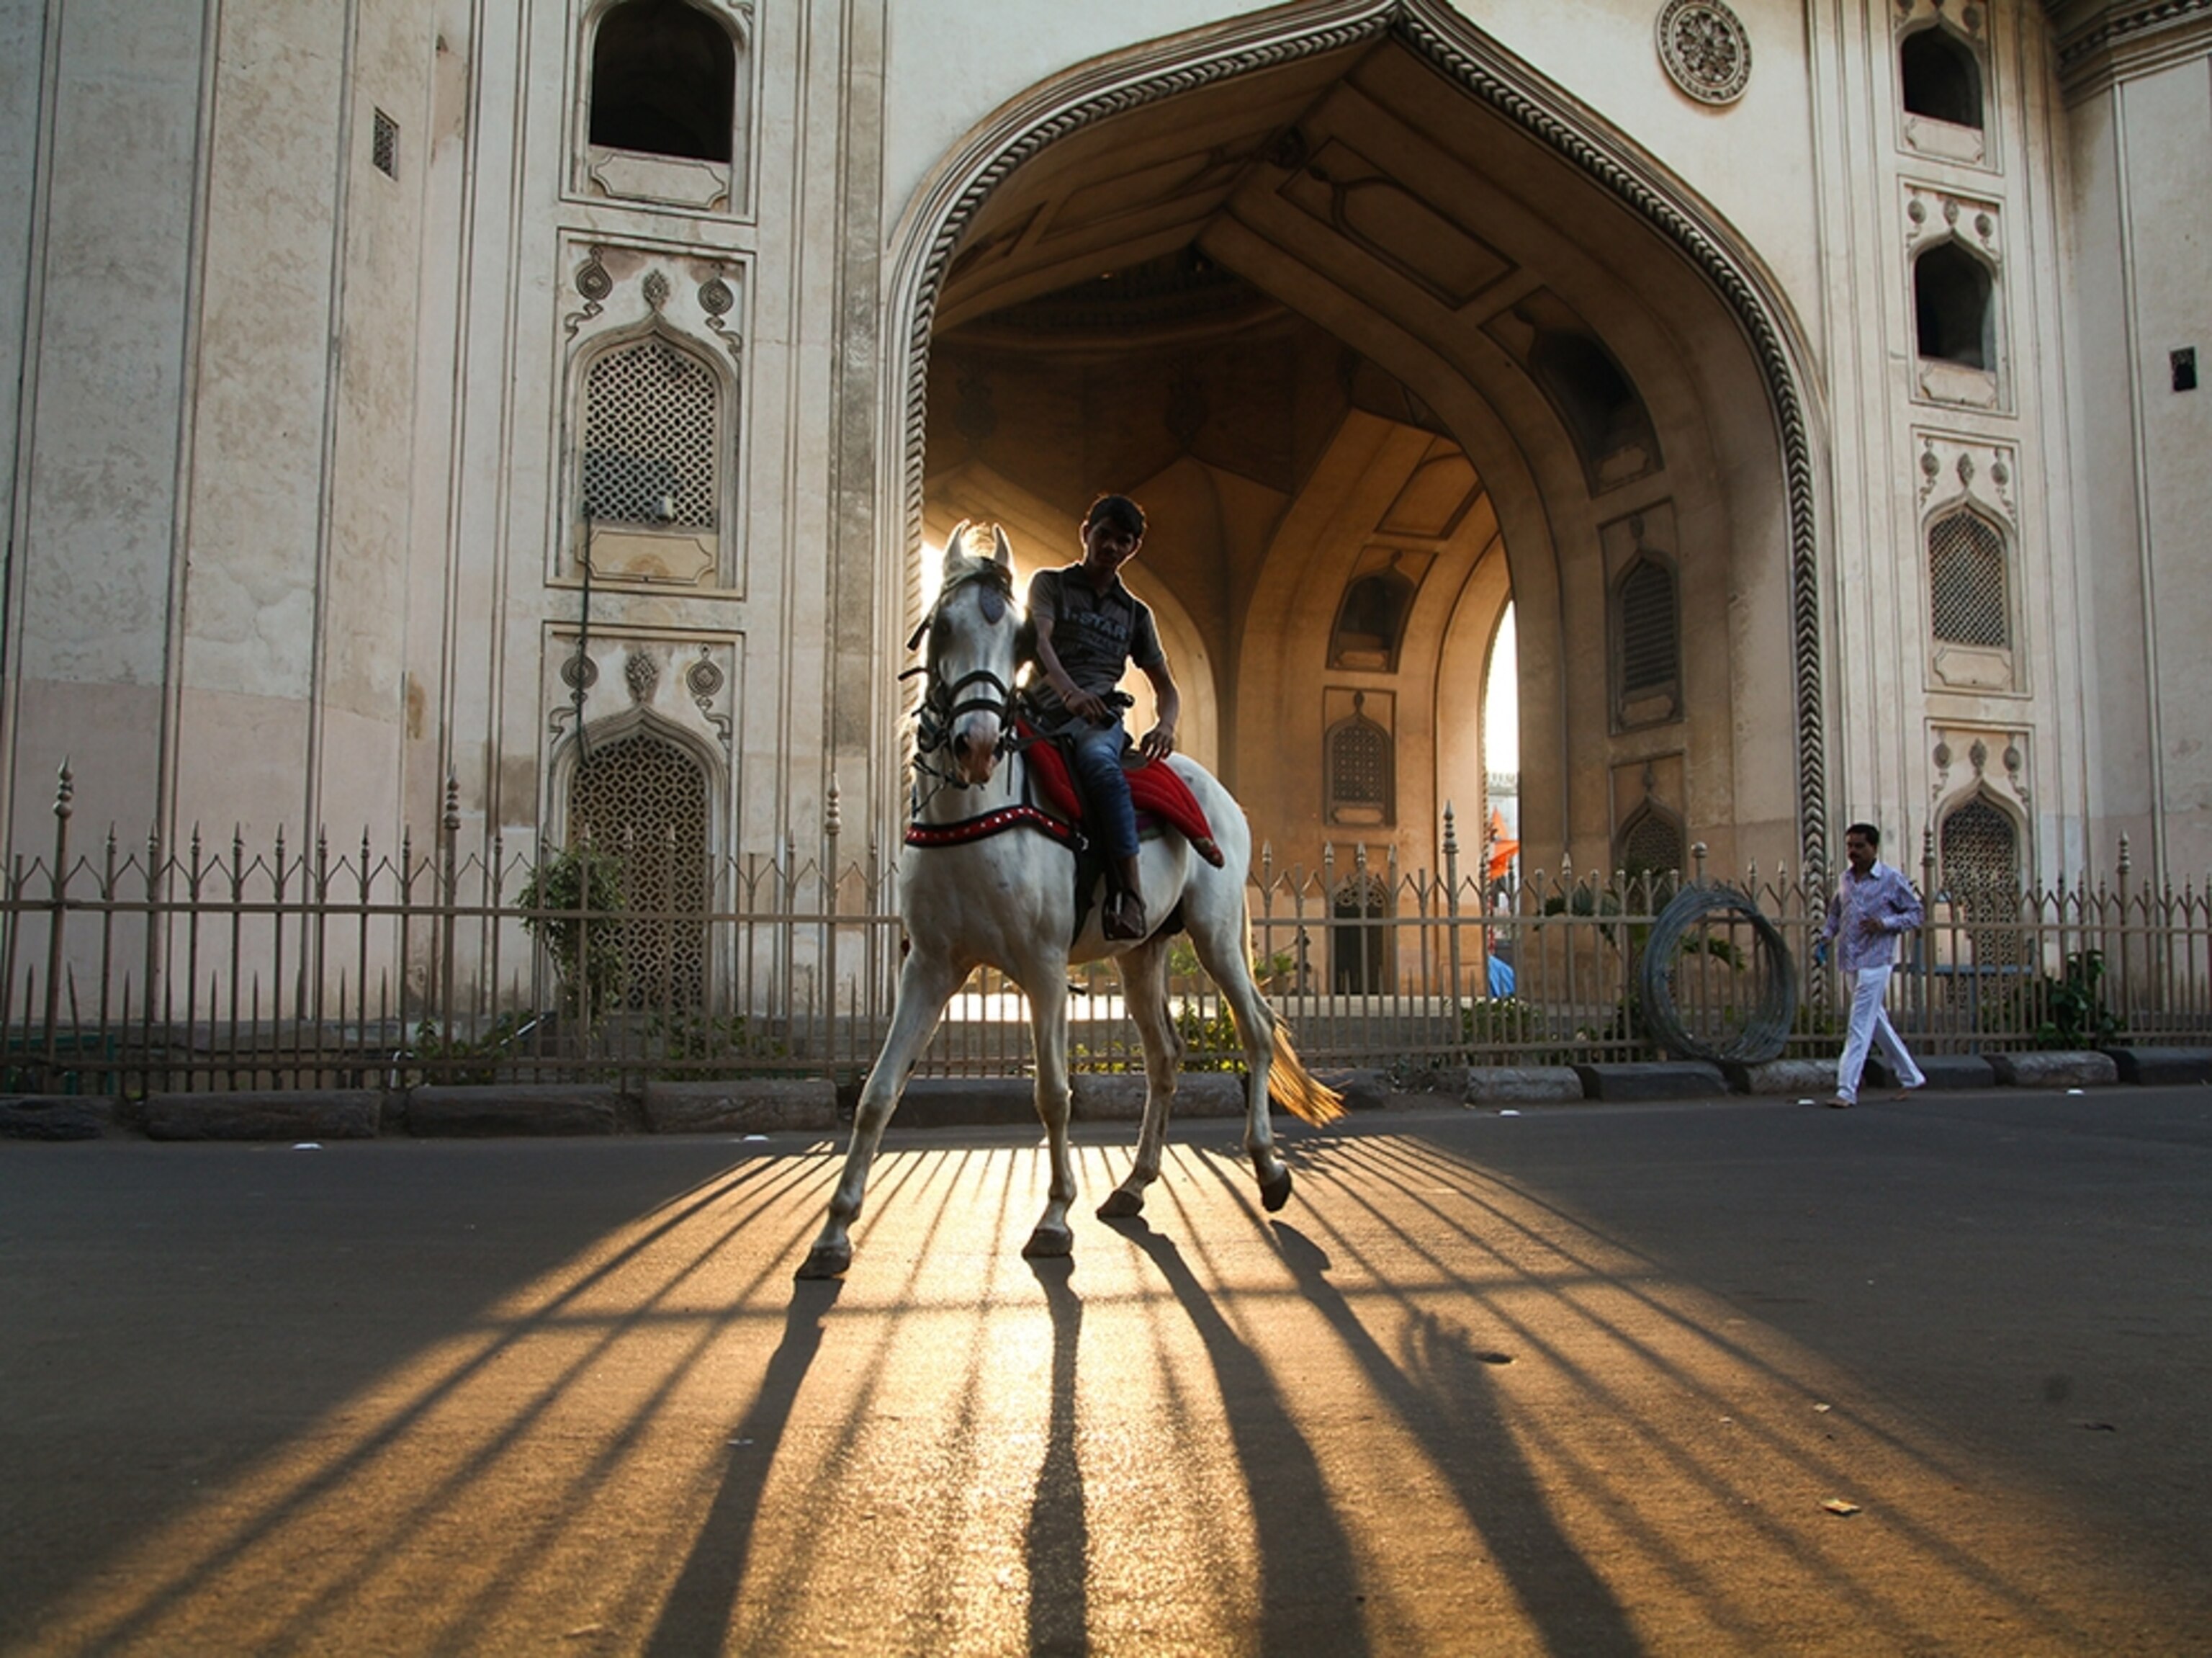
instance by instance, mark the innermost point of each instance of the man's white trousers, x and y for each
(1870, 1026)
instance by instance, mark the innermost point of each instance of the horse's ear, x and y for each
(955, 544)
(1002, 550)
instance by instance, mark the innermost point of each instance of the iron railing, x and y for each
(159, 969)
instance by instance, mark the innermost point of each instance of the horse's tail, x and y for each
(1295, 1088)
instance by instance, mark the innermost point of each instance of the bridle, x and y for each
(944, 701)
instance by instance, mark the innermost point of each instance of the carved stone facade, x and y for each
(459, 403)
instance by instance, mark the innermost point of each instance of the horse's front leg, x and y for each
(1047, 992)
(1144, 989)
(927, 982)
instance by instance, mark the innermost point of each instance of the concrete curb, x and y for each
(1944, 1071)
(2162, 1067)
(55, 1116)
(747, 1105)
(1793, 1078)
(272, 1115)
(1667, 1079)
(2059, 1069)
(1363, 1089)
(1508, 1085)
(440, 1112)
(1119, 1096)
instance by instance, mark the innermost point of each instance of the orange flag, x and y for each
(1502, 847)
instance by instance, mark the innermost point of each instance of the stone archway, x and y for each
(1609, 364)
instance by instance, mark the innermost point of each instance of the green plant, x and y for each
(702, 1047)
(570, 906)
(1210, 1041)
(1507, 1030)
(1273, 973)
(445, 1057)
(2074, 1012)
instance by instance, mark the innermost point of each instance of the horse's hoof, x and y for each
(825, 1261)
(1275, 1192)
(1121, 1205)
(1049, 1243)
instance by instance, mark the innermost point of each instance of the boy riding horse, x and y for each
(1089, 629)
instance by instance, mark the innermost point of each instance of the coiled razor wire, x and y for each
(1774, 1003)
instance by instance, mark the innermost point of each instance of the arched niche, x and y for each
(1940, 77)
(1954, 307)
(665, 111)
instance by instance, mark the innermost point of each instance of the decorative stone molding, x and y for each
(1704, 50)
(1457, 49)
(686, 685)
(1950, 467)
(2102, 42)
(1965, 760)
(1932, 215)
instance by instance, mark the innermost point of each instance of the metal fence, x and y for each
(155, 969)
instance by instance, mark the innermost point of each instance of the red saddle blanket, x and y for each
(1154, 788)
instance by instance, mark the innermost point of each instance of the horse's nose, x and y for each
(973, 756)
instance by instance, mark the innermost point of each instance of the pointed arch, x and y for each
(1437, 34)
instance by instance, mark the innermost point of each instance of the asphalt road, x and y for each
(1582, 1379)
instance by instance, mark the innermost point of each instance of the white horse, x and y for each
(1005, 898)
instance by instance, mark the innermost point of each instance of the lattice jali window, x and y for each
(650, 428)
(1967, 599)
(1980, 850)
(644, 801)
(1650, 841)
(1359, 761)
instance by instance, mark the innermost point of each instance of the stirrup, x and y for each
(1123, 916)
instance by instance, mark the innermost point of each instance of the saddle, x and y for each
(1157, 791)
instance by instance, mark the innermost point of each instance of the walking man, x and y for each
(1089, 629)
(1873, 903)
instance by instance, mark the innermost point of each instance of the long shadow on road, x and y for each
(1452, 1415)
(697, 1615)
(1310, 1585)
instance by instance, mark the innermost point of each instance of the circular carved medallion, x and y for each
(1707, 52)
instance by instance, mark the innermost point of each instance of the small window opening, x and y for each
(1602, 408)
(664, 76)
(384, 145)
(1370, 621)
(1951, 293)
(1943, 78)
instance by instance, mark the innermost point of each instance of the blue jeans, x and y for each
(1098, 750)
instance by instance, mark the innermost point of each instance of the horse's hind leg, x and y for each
(925, 985)
(1145, 989)
(1223, 946)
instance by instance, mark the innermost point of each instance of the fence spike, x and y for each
(64, 790)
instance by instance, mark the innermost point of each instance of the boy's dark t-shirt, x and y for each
(1096, 635)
